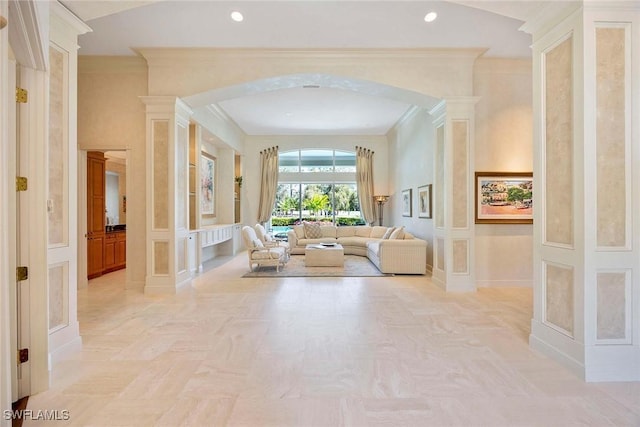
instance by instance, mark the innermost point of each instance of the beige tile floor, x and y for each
(389, 351)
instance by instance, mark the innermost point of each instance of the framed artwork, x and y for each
(406, 202)
(207, 184)
(504, 197)
(424, 201)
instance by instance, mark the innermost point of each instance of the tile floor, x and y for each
(389, 351)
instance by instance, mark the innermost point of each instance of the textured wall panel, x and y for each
(559, 297)
(460, 169)
(460, 256)
(440, 254)
(58, 296)
(610, 136)
(611, 305)
(160, 174)
(58, 160)
(160, 258)
(181, 247)
(182, 164)
(559, 144)
(439, 196)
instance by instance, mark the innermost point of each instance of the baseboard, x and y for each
(63, 352)
(564, 350)
(505, 283)
(613, 363)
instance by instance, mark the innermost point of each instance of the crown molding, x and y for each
(160, 56)
(112, 64)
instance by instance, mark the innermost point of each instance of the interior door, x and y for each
(95, 213)
(21, 371)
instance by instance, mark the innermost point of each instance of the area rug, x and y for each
(354, 266)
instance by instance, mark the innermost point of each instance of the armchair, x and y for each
(269, 242)
(260, 254)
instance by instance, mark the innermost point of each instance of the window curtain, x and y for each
(364, 181)
(268, 184)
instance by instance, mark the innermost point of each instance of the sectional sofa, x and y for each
(391, 249)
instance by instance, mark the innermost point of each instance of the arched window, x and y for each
(316, 185)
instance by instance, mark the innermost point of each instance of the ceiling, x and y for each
(119, 27)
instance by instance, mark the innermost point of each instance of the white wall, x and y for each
(250, 193)
(504, 143)
(411, 148)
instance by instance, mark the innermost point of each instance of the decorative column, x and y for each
(454, 245)
(587, 197)
(167, 190)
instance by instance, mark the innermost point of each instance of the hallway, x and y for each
(326, 352)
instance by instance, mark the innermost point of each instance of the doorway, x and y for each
(106, 211)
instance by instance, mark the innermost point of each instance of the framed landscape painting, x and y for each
(406, 202)
(504, 197)
(207, 184)
(424, 201)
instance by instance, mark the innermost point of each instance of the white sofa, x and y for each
(403, 254)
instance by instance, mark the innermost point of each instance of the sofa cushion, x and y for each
(355, 241)
(387, 233)
(398, 234)
(328, 231)
(363, 231)
(346, 231)
(377, 232)
(299, 229)
(312, 231)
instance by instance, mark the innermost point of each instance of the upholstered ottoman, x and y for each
(319, 255)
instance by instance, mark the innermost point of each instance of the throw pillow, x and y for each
(387, 233)
(398, 234)
(312, 231)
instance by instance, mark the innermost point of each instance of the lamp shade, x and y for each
(381, 199)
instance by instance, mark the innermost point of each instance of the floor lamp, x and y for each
(380, 200)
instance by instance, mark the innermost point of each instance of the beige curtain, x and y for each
(364, 180)
(269, 183)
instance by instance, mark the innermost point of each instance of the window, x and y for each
(316, 185)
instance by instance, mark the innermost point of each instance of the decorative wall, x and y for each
(58, 150)
(558, 149)
(58, 296)
(612, 305)
(559, 297)
(160, 258)
(611, 172)
(160, 138)
(460, 166)
(439, 178)
(460, 256)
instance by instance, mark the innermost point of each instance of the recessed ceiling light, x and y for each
(430, 17)
(237, 16)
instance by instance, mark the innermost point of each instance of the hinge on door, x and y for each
(21, 95)
(21, 183)
(22, 273)
(23, 355)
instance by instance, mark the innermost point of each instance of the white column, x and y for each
(62, 159)
(454, 245)
(167, 193)
(587, 197)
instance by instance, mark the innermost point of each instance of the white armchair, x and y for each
(268, 241)
(260, 254)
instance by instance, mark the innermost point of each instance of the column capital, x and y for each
(168, 104)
